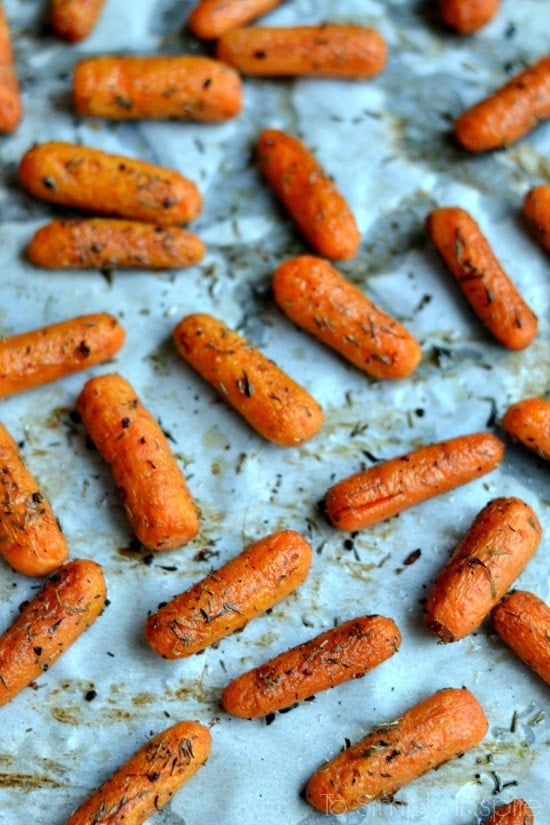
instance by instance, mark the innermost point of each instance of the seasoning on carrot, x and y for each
(386, 489)
(308, 194)
(516, 812)
(149, 779)
(225, 601)
(277, 407)
(60, 612)
(211, 18)
(46, 354)
(487, 288)
(106, 184)
(467, 16)
(330, 50)
(90, 243)
(73, 20)
(528, 422)
(502, 539)
(536, 210)
(509, 113)
(11, 107)
(320, 300)
(177, 87)
(522, 620)
(342, 653)
(156, 498)
(432, 732)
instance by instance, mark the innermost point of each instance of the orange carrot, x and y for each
(536, 209)
(149, 779)
(386, 489)
(95, 181)
(11, 107)
(528, 421)
(502, 539)
(509, 113)
(436, 730)
(49, 353)
(156, 498)
(188, 87)
(308, 194)
(211, 18)
(99, 243)
(59, 613)
(342, 653)
(487, 288)
(226, 600)
(517, 812)
(522, 620)
(467, 16)
(330, 50)
(73, 20)
(277, 407)
(320, 300)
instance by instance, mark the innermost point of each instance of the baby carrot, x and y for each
(277, 407)
(31, 540)
(432, 732)
(308, 194)
(467, 16)
(509, 113)
(211, 18)
(11, 108)
(329, 50)
(320, 300)
(156, 498)
(226, 600)
(66, 606)
(502, 539)
(99, 243)
(522, 620)
(386, 489)
(96, 181)
(487, 288)
(342, 653)
(536, 210)
(516, 812)
(149, 779)
(528, 421)
(73, 20)
(188, 87)
(48, 353)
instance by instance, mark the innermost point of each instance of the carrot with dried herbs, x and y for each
(246, 586)
(536, 210)
(467, 16)
(211, 18)
(522, 620)
(396, 484)
(74, 20)
(516, 812)
(528, 422)
(487, 288)
(11, 107)
(313, 294)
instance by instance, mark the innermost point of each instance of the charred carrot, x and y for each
(49, 353)
(226, 600)
(188, 87)
(487, 288)
(516, 812)
(321, 301)
(509, 113)
(330, 50)
(528, 422)
(60, 612)
(100, 243)
(502, 539)
(211, 18)
(156, 498)
(342, 653)
(536, 209)
(106, 184)
(432, 732)
(386, 489)
(11, 107)
(277, 407)
(308, 194)
(149, 779)
(522, 620)
(467, 16)
(73, 20)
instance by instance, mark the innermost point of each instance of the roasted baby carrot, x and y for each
(101, 243)
(536, 210)
(330, 50)
(487, 288)
(320, 300)
(106, 184)
(226, 600)
(149, 779)
(308, 194)
(211, 18)
(522, 620)
(509, 113)
(11, 107)
(516, 812)
(70, 601)
(73, 20)
(156, 498)
(31, 540)
(188, 87)
(528, 422)
(49, 353)
(432, 732)
(502, 539)
(277, 407)
(386, 489)
(467, 16)
(342, 653)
